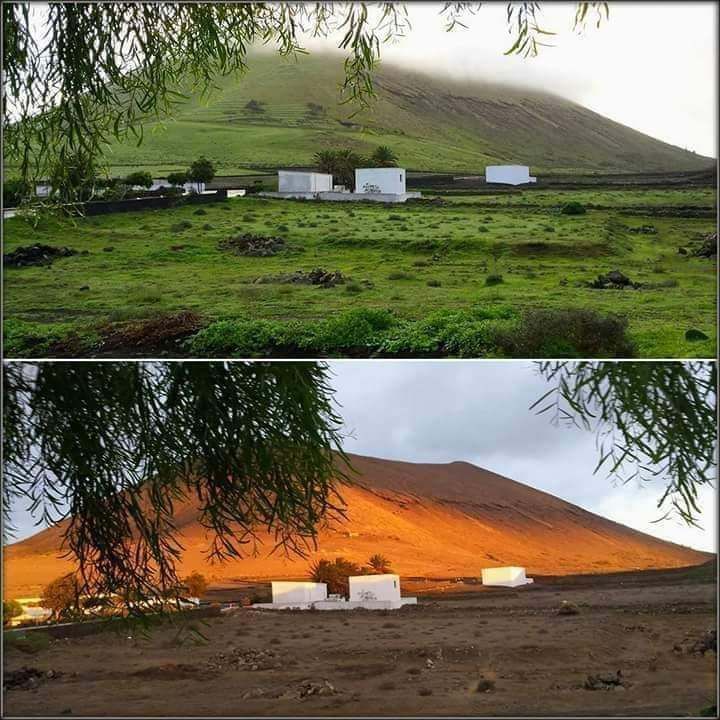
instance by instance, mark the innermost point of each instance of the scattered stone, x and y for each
(429, 664)
(614, 280)
(109, 248)
(84, 287)
(317, 276)
(37, 254)
(424, 692)
(484, 685)
(694, 335)
(309, 688)
(177, 248)
(644, 230)
(568, 608)
(707, 247)
(250, 660)
(682, 251)
(254, 245)
(699, 646)
(253, 693)
(27, 678)
(604, 681)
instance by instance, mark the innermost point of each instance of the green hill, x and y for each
(282, 111)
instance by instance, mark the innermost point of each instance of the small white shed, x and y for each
(509, 174)
(290, 592)
(380, 180)
(295, 181)
(505, 576)
(375, 587)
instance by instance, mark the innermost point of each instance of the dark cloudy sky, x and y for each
(477, 411)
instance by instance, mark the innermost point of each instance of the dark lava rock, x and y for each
(682, 251)
(614, 280)
(254, 245)
(708, 246)
(604, 681)
(27, 678)
(706, 642)
(644, 230)
(568, 608)
(37, 254)
(693, 335)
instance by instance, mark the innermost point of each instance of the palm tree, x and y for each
(384, 157)
(379, 563)
(326, 161)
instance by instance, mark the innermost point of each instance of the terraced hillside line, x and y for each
(431, 123)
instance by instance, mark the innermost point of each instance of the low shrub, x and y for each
(573, 208)
(353, 287)
(247, 338)
(180, 226)
(493, 279)
(434, 283)
(566, 333)
(400, 275)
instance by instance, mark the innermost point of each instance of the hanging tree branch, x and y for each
(652, 421)
(113, 448)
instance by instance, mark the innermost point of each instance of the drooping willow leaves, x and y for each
(79, 74)
(113, 448)
(652, 420)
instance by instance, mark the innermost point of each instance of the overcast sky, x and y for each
(651, 66)
(440, 411)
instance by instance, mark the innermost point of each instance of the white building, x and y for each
(369, 592)
(388, 181)
(505, 577)
(297, 592)
(509, 174)
(292, 181)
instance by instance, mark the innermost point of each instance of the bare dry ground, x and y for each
(464, 650)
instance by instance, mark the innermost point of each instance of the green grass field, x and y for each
(413, 260)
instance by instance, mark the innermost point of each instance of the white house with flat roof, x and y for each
(294, 181)
(509, 175)
(390, 181)
(505, 577)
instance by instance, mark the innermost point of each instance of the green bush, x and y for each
(177, 178)
(249, 338)
(566, 333)
(354, 329)
(573, 208)
(141, 178)
(433, 283)
(11, 610)
(201, 171)
(15, 191)
(400, 275)
(493, 279)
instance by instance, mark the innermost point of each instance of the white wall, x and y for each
(298, 592)
(380, 180)
(292, 181)
(374, 587)
(508, 174)
(504, 576)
